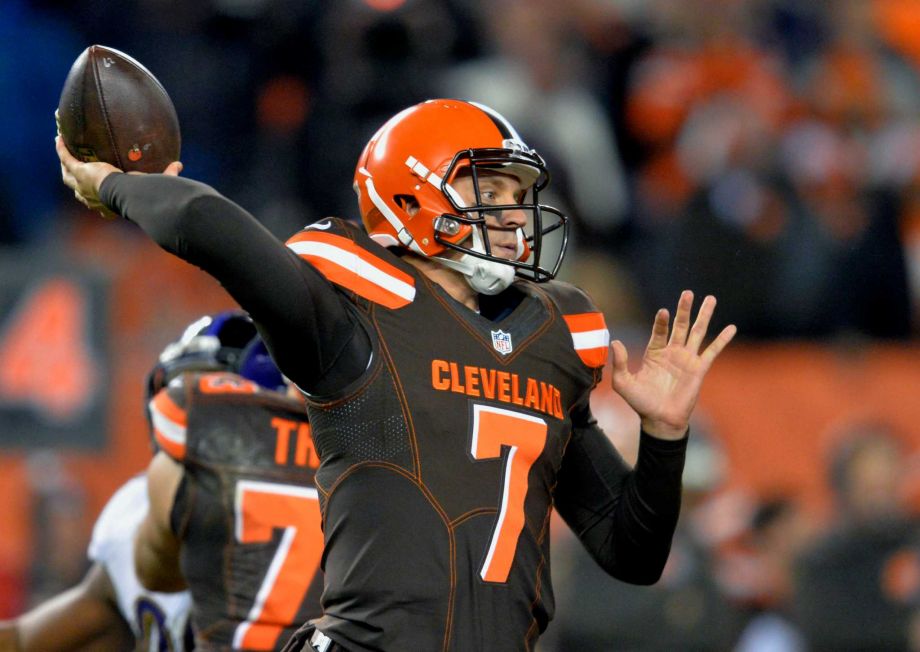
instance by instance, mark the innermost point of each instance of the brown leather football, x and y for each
(113, 109)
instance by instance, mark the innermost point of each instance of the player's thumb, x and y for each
(174, 169)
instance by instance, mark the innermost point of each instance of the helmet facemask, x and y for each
(466, 230)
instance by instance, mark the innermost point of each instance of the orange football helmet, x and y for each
(412, 160)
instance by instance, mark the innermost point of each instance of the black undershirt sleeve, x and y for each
(313, 332)
(624, 517)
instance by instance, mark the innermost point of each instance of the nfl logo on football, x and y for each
(502, 342)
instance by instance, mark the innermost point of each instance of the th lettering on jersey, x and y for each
(294, 434)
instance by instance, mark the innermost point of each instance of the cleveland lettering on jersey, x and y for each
(496, 385)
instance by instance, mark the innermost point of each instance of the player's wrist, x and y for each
(664, 430)
(101, 172)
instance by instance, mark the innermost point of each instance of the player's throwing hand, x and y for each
(85, 179)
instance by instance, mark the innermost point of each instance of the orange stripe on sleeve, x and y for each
(586, 321)
(346, 264)
(590, 337)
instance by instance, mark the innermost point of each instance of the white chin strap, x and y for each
(484, 276)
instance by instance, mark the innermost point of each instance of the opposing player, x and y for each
(108, 610)
(448, 398)
(234, 513)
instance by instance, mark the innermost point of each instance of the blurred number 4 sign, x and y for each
(44, 349)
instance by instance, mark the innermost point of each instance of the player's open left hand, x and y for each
(664, 390)
(85, 179)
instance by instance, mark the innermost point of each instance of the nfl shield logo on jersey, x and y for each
(501, 341)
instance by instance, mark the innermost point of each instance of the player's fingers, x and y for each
(107, 213)
(717, 345)
(83, 200)
(701, 325)
(67, 177)
(619, 356)
(67, 160)
(682, 318)
(659, 338)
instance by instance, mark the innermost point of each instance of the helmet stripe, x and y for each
(504, 127)
(405, 237)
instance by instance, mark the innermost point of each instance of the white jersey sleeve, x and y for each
(152, 616)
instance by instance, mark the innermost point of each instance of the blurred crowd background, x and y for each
(765, 151)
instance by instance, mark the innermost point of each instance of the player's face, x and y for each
(496, 188)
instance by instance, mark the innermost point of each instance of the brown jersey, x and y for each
(444, 436)
(247, 511)
(439, 464)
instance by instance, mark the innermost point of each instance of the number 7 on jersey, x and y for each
(261, 507)
(525, 435)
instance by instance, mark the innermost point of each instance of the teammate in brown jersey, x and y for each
(448, 378)
(234, 514)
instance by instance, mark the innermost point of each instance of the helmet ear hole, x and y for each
(408, 203)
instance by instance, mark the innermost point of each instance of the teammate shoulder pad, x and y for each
(590, 337)
(347, 257)
(168, 411)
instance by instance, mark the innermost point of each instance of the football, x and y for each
(113, 109)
